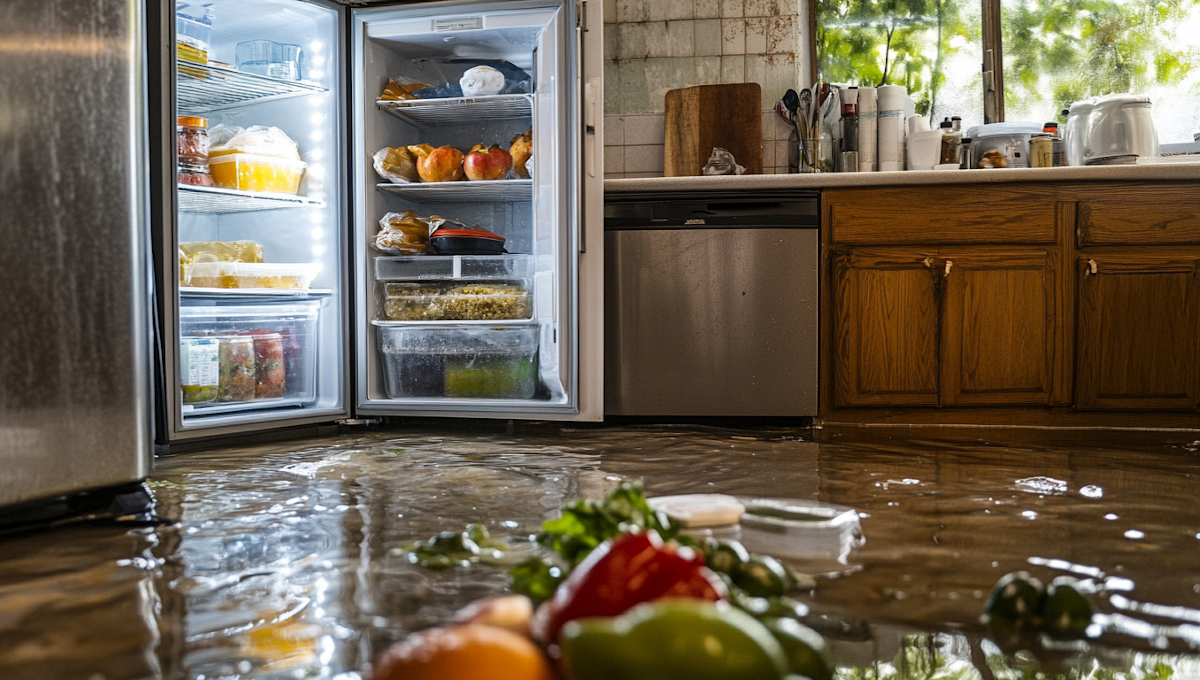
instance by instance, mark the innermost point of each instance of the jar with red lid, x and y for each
(191, 139)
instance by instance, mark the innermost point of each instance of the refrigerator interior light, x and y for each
(316, 46)
(318, 234)
(318, 250)
(316, 155)
(317, 118)
(317, 135)
(316, 74)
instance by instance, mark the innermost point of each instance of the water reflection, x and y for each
(281, 562)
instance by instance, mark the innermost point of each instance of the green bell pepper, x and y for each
(672, 640)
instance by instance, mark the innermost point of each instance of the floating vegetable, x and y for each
(1063, 610)
(469, 651)
(803, 647)
(1014, 600)
(670, 640)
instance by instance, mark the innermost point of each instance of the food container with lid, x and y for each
(1002, 145)
(198, 372)
(269, 58)
(193, 31)
(506, 267)
(294, 276)
(191, 141)
(466, 242)
(248, 172)
(460, 360)
(456, 301)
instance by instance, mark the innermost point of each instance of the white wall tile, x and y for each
(780, 33)
(647, 158)
(768, 127)
(610, 11)
(644, 129)
(708, 70)
(781, 152)
(756, 36)
(656, 39)
(667, 74)
(779, 129)
(614, 130)
(634, 96)
(680, 9)
(614, 159)
(731, 8)
(707, 9)
(612, 45)
(733, 36)
(768, 152)
(708, 37)
(681, 38)
(632, 10)
(776, 73)
(733, 69)
(612, 87)
(631, 41)
(656, 10)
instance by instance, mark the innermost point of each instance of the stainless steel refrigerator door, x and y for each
(575, 55)
(75, 364)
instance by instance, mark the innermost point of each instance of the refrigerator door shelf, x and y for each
(501, 190)
(460, 110)
(208, 87)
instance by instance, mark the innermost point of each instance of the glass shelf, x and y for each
(460, 110)
(501, 190)
(215, 201)
(207, 87)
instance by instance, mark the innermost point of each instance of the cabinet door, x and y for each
(998, 326)
(1138, 333)
(886, 327)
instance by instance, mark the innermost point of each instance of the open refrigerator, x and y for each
(277, 309)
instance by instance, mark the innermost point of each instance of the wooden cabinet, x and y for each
(923, 327)
(885, 327)
(1000, 325)
(1138, 334)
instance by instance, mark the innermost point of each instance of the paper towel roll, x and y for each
(868, 120)
(891, 127)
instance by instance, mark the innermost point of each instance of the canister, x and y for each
(1041, 151)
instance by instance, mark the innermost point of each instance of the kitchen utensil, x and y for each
(466, 242)
(706, 116)
(1120, 128)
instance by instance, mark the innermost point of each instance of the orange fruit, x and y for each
(468, 652)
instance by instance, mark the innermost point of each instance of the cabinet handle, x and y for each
(1091, 267)
(949, 264)
(928, 263)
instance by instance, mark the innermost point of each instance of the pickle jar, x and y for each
(198, 360)
(270, 374)
(238, 378)
(191, 140)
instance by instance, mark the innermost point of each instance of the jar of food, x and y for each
(269, 371)
(237, 369)
(1041, 151)
(198, 370)
(191, 140)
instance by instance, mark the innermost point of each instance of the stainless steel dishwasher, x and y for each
(711, 305)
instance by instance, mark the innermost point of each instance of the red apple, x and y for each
(493, 163)
(443, 164)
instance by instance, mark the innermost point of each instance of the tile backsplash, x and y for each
(652, 46)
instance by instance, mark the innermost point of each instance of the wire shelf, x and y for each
(207, 87)
(214, 201)
(265, 294)
(501, 190)
(460, 110)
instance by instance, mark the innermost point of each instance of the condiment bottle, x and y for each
(966, 154)
(951, 141)
(191, 141)
(956, 121)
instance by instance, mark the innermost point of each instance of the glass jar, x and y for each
(191, 141)
(270, 374)
(237, 378)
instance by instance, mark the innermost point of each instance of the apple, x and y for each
(482, 164)
(443, 164)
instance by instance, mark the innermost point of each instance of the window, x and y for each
(1053, 53)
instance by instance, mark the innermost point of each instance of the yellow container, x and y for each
(246, 172)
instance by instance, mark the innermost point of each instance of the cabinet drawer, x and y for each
(1159, 215)
(963, 214)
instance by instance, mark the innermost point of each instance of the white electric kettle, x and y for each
(1110, 130)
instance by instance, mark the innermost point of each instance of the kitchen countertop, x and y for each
(1128, 173)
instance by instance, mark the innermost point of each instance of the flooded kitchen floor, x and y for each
(281, 565)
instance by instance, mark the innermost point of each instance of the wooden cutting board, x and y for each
(699, 118)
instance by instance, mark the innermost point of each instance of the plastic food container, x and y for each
(466, 361)
(296, 276)
(246, 172)
(277, 349)
(198, 374)
(458, 268)
(466, 242)
(269, 58)
(193, 30)
(456, 301)
(799, 531)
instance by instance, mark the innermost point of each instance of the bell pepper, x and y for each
(670, 640)
(622, 572)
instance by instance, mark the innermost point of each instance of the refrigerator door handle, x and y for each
(589, 121)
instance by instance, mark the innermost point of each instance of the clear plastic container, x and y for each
(484, 361)
(291, 276)
(456, 301)
(269, 58)
(454, 267)
(199, 369)
(246, 172)
(268, 334)
(193, 31)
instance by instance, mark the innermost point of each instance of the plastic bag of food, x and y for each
(403, 234)
(522, 153)
(400, 88)
(722, 162)
(397, 165)
(259, 140)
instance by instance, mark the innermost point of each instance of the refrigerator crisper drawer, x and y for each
(267, 356)
(462, 360)
(465, 267)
